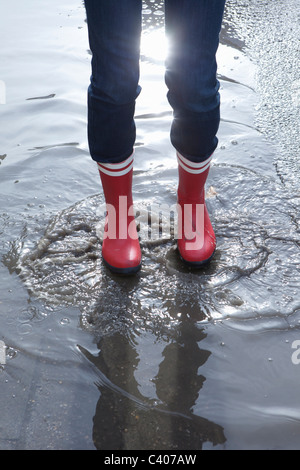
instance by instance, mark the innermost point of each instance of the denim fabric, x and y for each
(114, 27)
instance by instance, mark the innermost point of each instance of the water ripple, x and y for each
(257, 253)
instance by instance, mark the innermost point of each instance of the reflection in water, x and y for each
(125, 418)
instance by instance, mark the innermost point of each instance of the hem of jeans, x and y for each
(194, 158)
(112, 159)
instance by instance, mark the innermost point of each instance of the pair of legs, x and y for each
(193, 28)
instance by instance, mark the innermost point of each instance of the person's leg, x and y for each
(193, 29)
(114, 29)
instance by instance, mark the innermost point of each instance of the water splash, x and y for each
(257, 254)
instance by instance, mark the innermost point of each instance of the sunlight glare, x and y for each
(154, 44)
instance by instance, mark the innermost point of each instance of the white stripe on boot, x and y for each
(116, 169)
(193, 167)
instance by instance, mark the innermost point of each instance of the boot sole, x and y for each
(123, 271)
(197, 264)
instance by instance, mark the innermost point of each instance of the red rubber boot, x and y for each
(120, 248)
(196, 238)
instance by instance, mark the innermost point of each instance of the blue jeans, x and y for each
(193, 28)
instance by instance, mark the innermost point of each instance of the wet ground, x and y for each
(169, 359)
